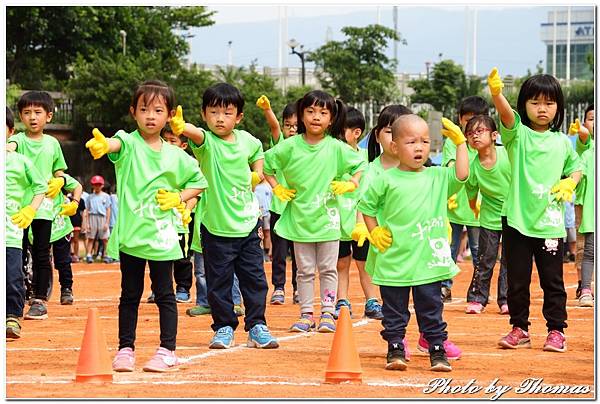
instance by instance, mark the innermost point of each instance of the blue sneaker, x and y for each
(338, 307)
(182, 297)
(222, 339)
(373, 309)
(260, 337)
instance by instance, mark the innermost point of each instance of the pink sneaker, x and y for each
(555, 342)
(162, 361)
(474, 308)
(452, 351)
(406, 351)
(517, 338)
(124, 360)
(504, 309)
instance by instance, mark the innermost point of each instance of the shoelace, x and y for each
(223, 332)
(262, 331)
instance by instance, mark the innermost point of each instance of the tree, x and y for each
(357, 69)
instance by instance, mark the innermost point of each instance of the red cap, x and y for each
(97, 179)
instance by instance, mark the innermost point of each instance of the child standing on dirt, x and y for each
(532, 215)
(153, 178)
(313, 164)
(409, 230)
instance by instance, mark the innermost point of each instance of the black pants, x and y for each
(243, 256)
(428, 308)
(548, 255)
(61, 251)
(40, 251)
(182, 269)
(132, 287)
(479, 289)
(15, 288)
(279, 251)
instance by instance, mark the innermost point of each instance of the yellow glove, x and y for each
(341, 187)
(186, 214)
(168, 200)
(453, 132)
(24, 217)
(381, 238)
(563, 191)
(360, 234)
(575, 127)
(477, 209)
(177, 123)
(98, 145)
(449, 228)
(495, 82)
(54, 186)
(452, 204)
(263, 103)
(68, 209)
(255, 179)
(284, 194)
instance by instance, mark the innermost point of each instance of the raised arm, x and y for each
(507, 116)
(264, 104)
(180, 126)
(453, 132)
(100, 145)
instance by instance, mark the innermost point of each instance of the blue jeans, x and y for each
(15, 286)
(201, 291)
(473, 236)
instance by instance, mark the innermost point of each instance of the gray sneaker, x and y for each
(37, 311)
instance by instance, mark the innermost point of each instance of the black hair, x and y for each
(10, 119)
(387, 116)
(323, 100)
(183, 138)
(36, 98)
(289, 110)
(150, 89)
(588, 109)
(222, 95)
(354, 119)
(484, 120)
(473, 104)
(546, 86)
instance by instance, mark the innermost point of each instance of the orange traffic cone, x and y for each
(344, 363)
(94, 362)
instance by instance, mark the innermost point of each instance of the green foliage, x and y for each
(12, 95)
(294, 93)
(357, 69)
(590, 61)
(579, 92)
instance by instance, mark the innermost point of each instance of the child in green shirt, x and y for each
(490, 176)
(229, 215)
(35, 110)
(25, 189)
(279, 245)
(153, 177)
(409, 231)
(532, 215)
(313, 164)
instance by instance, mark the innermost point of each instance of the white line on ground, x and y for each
(100, 271)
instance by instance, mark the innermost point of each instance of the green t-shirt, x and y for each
(47, 157)
(586, 188)
(277, 205)
(463, 213)
(23, 181)
(313, 215)
(538, 160)
(374, 170)
(412, 205)
(142, 228)
(181, 229)
(349, 201)
(493, 185)
(228, 208)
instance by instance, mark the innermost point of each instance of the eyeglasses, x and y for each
(478, 132)
(290, 126)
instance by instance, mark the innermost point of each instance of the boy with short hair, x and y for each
(23, 184)
(98, 208)
(229, 214)
(459, 213)
(36, 110)
(412, 236)
(348, 202)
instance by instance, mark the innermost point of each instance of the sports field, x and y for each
(42, 363)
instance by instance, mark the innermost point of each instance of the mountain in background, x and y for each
(508, 37)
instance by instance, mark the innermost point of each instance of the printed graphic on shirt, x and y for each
(441, 255)
(245, 198)
(166, 234)
(330, 203)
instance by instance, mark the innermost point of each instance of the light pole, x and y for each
(292, 43)
(124, 40)
(427, 64)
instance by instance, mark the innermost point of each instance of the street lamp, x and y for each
(124, 40)
(427, 64)
(292, 43)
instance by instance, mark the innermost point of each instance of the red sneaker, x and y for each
(517, 338)
(555, 342)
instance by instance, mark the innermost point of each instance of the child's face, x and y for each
(221, 120)
(151, 118)
(481, 137)
(35, 118)
(588, 122)
(174, 140)
(463, 119)
(412, 146)
(316, 120)
(352, 135)
(541, 112)
(97, 188)
(384, 138)
(290, 126)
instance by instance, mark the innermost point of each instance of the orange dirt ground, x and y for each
(42, 363)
